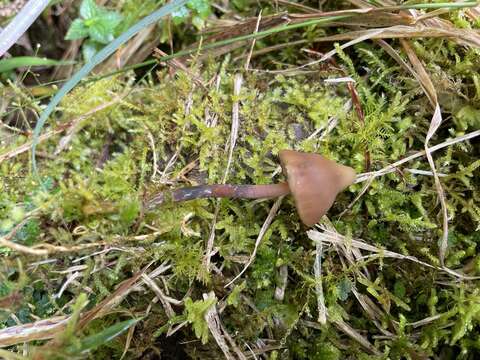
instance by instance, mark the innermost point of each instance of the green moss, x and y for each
(172, 133)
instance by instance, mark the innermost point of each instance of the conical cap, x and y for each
(314, 182)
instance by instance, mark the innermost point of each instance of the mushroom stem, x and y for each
(219, 191)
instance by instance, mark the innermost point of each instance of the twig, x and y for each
(39, 330)
(176, 65)
(429, 89)
(63, 127)
(354, 334)
(154, 155)
(370, 176)
(69, 280)
(347, 329)
(6, 241)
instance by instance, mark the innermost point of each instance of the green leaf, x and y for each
(78, 30)
(174, 320)
(195, 312)
(110, 19)
(92, 342)
(100, 33)
(344, 289)
(129, 209)
(29, 233)
(89, 9)
(198, 22)
(103, 27)
(180, 15)
(399, 289)
(234, 297)
(77, 308)
(27, 61)
(89, 49)
(201, 7)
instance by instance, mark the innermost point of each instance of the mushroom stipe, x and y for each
(313, 181)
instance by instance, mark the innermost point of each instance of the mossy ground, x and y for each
(171, 129)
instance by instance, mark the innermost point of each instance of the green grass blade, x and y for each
(92, 342)
(29, 61)
(88, 67)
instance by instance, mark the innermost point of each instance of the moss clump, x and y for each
(168, 131)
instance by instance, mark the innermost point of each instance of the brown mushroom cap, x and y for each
(314, 182)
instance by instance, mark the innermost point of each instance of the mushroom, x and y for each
(313, 180)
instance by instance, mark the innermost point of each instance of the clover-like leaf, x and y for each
(101, 29)
(180, 15)
(110, 19)
(78, 30)
(198, 22)
(100, 33)
(200, 7)
(89, 49)
(89, 9)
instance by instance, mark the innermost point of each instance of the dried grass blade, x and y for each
(113, 299)
(38, 330)
(429, 88)
(355, 335)
(461, 36)
(331, 236)
(393, 167)
(218, 332)
(317, 268)
(237, 86)
(261, 234)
